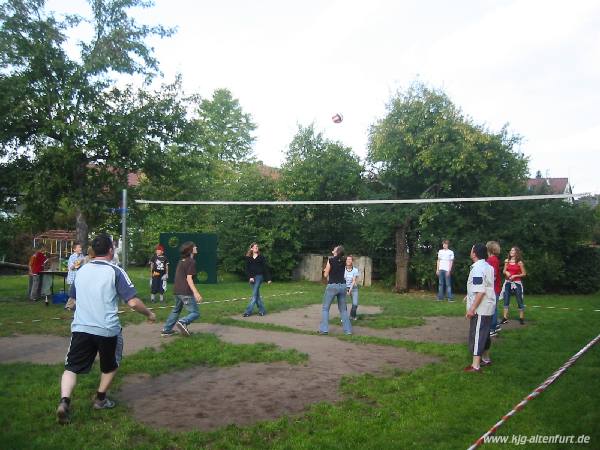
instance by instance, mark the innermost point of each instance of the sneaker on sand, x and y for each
(503, 321)
(167, 333)
(261, 314)
(472, 369)
(182, 328)
(322, 333)
(245, 315)
(107, 403)
(62, 413)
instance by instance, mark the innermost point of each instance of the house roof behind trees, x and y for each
(553, 185)
(57, 235)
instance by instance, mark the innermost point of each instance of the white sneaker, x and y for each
(182, 328)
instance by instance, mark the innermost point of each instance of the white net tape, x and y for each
(362, 202)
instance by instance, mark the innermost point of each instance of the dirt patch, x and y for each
(207, 398)
(306, 318)
(38, 349)
(42, 349)
(446, 330)
(449, 330)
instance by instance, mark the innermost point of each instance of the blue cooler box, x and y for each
(60, 297)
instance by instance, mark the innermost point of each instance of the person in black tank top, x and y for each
(336, 287)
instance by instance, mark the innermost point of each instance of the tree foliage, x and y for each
(79, 135)
(70, 135)
(276, 230)
(425, 148)
(223, 129)
(319, 169)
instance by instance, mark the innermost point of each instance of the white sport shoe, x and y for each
(182, 328)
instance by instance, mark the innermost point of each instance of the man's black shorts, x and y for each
(83, 350)
(157, 286)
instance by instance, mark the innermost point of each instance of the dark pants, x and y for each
(479, 334)
(157, 286)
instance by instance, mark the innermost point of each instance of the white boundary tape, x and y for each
(537, 391)
(122, 311)
(563, 308)
(362, 202)
(234, 299)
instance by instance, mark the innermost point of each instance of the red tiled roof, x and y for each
(59, 235)
(133, 179)
(554, 185)
(269, 172)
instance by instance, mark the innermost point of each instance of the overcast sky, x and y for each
(532, 64)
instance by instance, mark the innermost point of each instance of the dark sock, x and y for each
(66, 400)
(100, 395)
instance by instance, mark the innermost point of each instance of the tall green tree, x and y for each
(223, 129)
(425, 148)
(79, 135)
(317, 168)
(204, 161)
(274, 228)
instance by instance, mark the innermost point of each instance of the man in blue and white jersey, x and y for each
(96, 328)
(481, 303)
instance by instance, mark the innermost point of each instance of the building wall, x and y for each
(311, 268)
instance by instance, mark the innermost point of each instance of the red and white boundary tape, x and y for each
(537, 391)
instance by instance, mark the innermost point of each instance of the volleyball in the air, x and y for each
(337, 118)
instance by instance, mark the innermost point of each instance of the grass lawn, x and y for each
(436, 406)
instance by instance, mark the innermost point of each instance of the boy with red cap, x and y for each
(159, 269)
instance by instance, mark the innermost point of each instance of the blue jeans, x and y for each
(495, 315)
(444, 279)
(518, 293)
(256, 299)
(180, 301)
(332, 291)
(354, 293)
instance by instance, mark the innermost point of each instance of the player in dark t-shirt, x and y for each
(159, 272)
(186, 293)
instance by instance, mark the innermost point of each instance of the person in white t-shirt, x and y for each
(444, 271)
(351, 277)
(481, 304)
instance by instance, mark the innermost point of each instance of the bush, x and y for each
(545, 272)
(582, 271)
